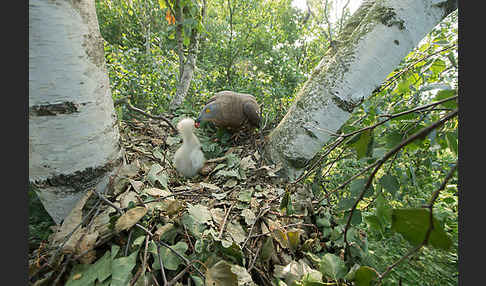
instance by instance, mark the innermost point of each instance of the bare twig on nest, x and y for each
(126, 101)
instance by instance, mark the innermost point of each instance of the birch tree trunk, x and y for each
(371, 45)
(187, 74)
(73, 132)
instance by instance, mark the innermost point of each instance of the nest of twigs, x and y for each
(238, 223)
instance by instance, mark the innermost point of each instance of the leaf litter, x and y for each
(225, 226)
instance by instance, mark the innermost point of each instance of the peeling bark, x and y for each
(371, 45)
(73, 131)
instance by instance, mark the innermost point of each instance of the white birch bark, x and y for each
(73, 132)
(379, 34)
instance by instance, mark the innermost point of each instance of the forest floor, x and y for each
(235, 222)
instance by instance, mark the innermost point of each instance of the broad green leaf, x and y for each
(364, 275)
(82, 275)
(390, 183)
(286, 203)
(193, 225)
(446, 93)
(413, 223)
(236, 231)
(363, 144)
(345, 204)
(267, 249)
(186, 41)
(356, 187)
(393, 138)
(103, 266)
(352, 272)
(233, 252)
(245, 195)
(357, 217)
(170, 260)
(294, 238)
(383, 210)
(332, 266)
(121, 269)
(114, 251)
(374, 223)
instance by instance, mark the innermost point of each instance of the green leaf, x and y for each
(332, 266)
(383, 210)
(162, 4)
(345, 204)
(357, 218)
(390, 184)
(170, 260)
(446, 93)
(363, 143)
(232, 252)
(186, 41)
(413, 223)
(286, 203)
(200, 213)
(438, 66)
(267, 249)
(121, 269)
(374, 223)
(114, 251)
(356, 187)
(451, 138)
(393, 138)
(82, 275)
(194, 227)
(364, 275)
(103, 267)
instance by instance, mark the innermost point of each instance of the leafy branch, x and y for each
(429, 230)
(420, 134)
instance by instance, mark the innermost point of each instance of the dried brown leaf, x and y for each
(130, 218)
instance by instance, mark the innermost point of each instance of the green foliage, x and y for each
(39, 221)
(267, 49)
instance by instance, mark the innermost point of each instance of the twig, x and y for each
(260, 215)
(164, 279)
(127, 102)
(179, 276)
(252, 264)
(187, 262)
(223, 224)
(144, 262)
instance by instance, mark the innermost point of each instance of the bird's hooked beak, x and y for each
(197, 123)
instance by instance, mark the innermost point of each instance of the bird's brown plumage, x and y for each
(232, 110)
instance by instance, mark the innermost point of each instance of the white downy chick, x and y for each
(189, 158)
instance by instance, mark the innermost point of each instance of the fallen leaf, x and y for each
(130, 218)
